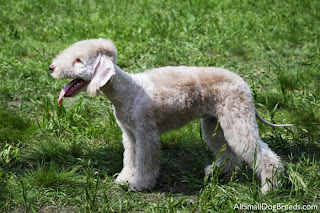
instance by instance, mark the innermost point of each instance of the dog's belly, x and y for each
(174, 110)
(175, 120)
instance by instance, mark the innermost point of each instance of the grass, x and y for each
(65, 158)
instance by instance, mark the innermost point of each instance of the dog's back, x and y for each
(181, 94)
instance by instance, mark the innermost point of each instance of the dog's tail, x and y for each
(270, 124)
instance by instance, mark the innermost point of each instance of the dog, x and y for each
(153, 102)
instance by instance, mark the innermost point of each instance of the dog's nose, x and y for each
(51, 68)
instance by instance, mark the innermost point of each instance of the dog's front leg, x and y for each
(147, 159)
(129, 156)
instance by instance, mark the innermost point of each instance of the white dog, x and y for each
(156, 101)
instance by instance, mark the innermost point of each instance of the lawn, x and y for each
(65, 158)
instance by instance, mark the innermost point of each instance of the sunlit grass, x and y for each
(65, 158)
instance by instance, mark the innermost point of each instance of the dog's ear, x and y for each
(103, 70)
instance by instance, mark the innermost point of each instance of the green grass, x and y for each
(65, 158)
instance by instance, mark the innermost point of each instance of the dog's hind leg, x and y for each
(241, 132)
(214, 136)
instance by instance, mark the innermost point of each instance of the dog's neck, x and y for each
(119, 88)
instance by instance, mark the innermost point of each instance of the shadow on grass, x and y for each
(182, 167)
(294, 148)
(182, 164)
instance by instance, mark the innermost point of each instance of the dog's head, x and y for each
(91, 63)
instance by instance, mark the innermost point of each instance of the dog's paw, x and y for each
(125, 176)
(208, 170)
(216, 167)
(139, 187)
(265, 189)
(141, 184)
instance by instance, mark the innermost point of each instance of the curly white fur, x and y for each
(156, 101)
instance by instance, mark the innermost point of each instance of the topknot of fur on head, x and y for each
(86, 49)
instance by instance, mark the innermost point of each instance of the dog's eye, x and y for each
(77, 60)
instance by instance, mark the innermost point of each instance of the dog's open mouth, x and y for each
(73, 88)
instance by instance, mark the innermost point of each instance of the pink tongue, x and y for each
(65, 89)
